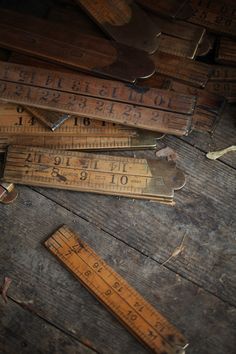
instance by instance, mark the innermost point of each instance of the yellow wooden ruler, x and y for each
(139, 317)
(115, 175)
(17, 126)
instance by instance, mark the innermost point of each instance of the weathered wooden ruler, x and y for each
(115, 175)
(178, 37)
(187, 70)
(43, 39)
(215, 16)
(33, 87)
(19, 127)
(223, 73)
(124, 302)
(178, 9)
(226, 53)
(124, 21)
(223, 82)
(209, 106)
(226, 89)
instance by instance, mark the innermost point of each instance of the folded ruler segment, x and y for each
(226, 53)
(188, 71)
(137, 178)
(223, 82)
(124, 302)
(124, 21)
(42, 39)
(178, 9)
(19, 127)
(216, 16)
(64, 93)
(209, 106)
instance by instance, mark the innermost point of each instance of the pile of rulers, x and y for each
(110, 75)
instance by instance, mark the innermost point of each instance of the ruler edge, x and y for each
(76, 235)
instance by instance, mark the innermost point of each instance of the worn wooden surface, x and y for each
(48, 311)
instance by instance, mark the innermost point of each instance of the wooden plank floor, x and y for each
(48, 311)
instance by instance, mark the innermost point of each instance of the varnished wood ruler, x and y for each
(216, 16)
(18, 127)
(115, 175)
(125, 303)
(124, 21)
(226, 53)
(34, 92)
(42, 39)
(175, 9)
(188, 71)
(209, 106)
(178, 37)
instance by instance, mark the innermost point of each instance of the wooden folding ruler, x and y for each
(175, 9)
(18, 127)
(124, 302)
(223, 82)
(124, 21)
(41, 39)
(29, 86)
(188, 71)
(209, 106)
(215, 16)
(226, 53)
(115, 175)
(178, 37)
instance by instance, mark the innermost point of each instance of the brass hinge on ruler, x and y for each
(8, 193)
(114, 175)
(129, 307)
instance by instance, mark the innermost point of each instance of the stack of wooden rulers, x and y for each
(110, 75)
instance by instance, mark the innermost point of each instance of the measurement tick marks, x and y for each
(135, 178)
(138, 316)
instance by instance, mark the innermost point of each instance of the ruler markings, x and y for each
(92, 173)
(115, 293)
(117, 112)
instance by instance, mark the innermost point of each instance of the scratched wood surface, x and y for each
(48, 311)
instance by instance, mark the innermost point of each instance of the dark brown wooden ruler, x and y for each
(178, 37)
(19, 127)
(121, 113)
(86, 172)
(223, 73)
(96, 87)
(156, 81)
(98, 56)
(124, 21)
(179, 9)
(216, 16)
(124, 302)
(189, 71)
(53, 120)
(223, 82)
(226, 53)
(46, 92)
(209, 106)
(223, 88)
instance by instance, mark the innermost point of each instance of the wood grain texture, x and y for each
(200, 211)
(42, 285)
(20, 330)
